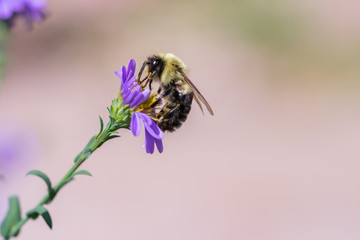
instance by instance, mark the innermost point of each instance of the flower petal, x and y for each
(127, 87)
(151, 127)
(119, 74)
(143, 96)
(36, 4)
(158, 133)
(134, 93)
(135, 124)
(129, 83)
(149, 142)
(5, 10)
(159, 145)
(126, 92)
(31, 10)
(131, 68)
(124, 74)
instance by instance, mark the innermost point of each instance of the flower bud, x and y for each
(120, 114)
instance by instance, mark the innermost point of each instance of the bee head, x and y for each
(155, 66)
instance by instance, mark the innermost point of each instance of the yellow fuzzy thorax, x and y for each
(170, 71)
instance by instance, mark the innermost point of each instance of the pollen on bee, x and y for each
(155, 119)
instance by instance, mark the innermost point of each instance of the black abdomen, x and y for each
(176, 110)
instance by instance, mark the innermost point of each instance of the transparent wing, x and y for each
(197, 95)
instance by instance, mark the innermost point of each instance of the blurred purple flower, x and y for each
(18, 146)
(31, 10)
(141, 102)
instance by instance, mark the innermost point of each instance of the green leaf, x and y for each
(13, 216)
(43, 177)
(40, 210)
(112, 136)
(91, 141)
(101, 127)
(86, 152)
(82, 172)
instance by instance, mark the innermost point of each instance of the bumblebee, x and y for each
(176, 91)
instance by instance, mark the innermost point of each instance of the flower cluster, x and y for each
(141, 103)
(31, 10)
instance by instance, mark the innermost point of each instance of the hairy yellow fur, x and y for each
(170, 72)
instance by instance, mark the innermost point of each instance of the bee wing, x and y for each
(197, 95)
(198, 102)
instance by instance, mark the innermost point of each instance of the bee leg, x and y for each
(156, 102)
(143, 80)
(165, 93)
(148, 81)
(173, 106)
(158, 98)
(174, 109)
(141, 71)
(159, 90)
(150, 84)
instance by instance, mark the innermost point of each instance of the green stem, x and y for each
(93, 144)
(3, 37)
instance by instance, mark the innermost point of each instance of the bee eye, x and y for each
(154, 62)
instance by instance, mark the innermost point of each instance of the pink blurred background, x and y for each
(279, 160)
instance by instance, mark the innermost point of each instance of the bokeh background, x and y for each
(279, 160)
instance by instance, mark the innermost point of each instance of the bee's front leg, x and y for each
(150, 84)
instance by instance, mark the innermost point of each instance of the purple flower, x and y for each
(18, 147)
(31, 10)
(140, 101)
